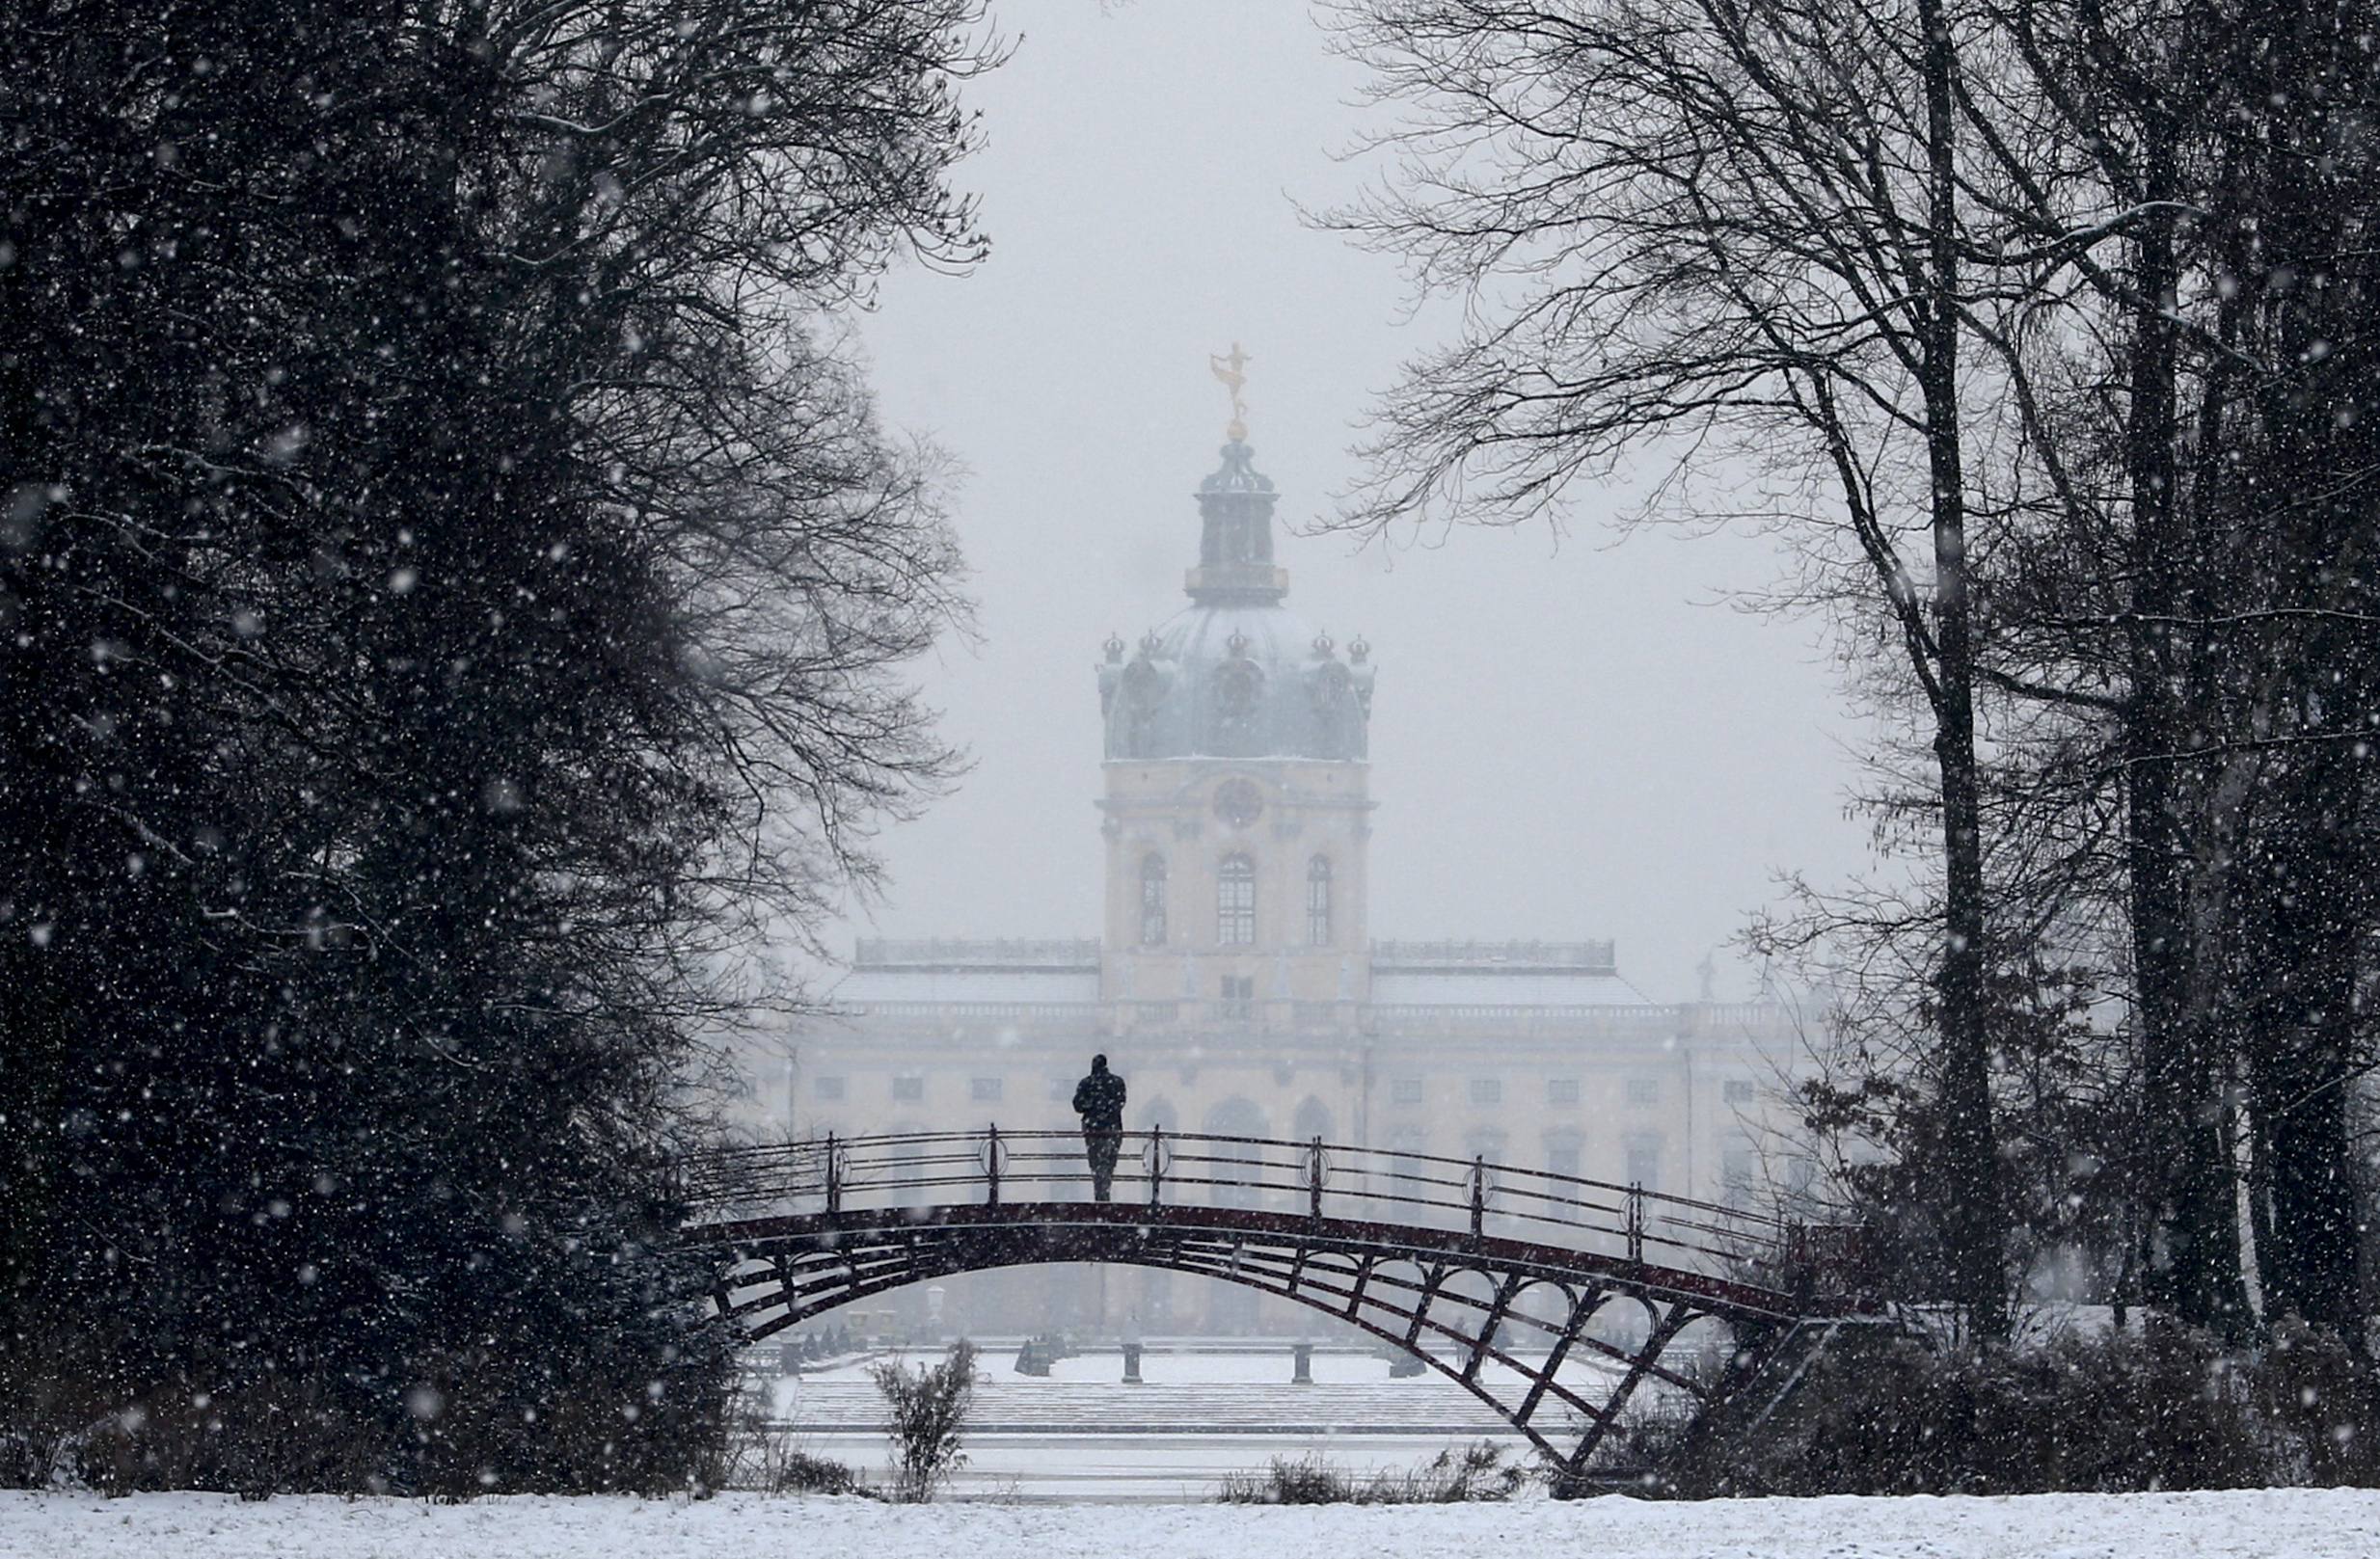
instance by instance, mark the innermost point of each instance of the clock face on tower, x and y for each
(1238, 803)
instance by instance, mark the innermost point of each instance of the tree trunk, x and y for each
(2190, 1192)
(1974, 1215)
(2307, 498)
(2300, 1056)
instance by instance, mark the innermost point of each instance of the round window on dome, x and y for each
(1239, 684)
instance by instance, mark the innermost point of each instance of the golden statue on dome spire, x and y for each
(1232, 369)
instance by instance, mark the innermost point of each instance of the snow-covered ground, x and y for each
(2283, 1524)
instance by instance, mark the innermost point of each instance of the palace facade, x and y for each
(1236, 984)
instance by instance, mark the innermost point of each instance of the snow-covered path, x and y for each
(2283, 1524)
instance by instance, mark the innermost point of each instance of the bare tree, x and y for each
(1732, 234)
(2208, 601)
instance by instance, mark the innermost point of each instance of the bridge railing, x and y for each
(1315, 1178)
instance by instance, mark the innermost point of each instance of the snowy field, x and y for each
(2285, 1524)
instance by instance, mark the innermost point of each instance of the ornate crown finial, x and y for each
(1232, 371)
(1113, 648)
(1359, 648)
(1323, 646)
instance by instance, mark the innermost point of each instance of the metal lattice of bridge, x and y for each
(1461, 1262)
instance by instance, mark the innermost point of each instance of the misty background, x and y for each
(1572, 739)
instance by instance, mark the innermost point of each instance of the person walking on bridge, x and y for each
(1098, 1098)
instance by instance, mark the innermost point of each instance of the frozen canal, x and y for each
(1141, 1468)
(1197, 1415)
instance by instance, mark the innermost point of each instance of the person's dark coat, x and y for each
(1098, 1098)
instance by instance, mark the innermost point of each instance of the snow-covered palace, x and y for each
(1236, 982)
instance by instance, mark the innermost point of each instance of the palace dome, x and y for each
(1236, 674)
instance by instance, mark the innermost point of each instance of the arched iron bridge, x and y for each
(1463, 1263)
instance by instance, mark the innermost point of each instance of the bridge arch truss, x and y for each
(1494, 1276)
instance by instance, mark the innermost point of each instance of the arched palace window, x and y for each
(1153, 901)
(1235, 902)
(1319, 901)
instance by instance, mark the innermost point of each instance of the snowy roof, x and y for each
(1445, 955)
(865, 985)
(1404, 974)
(1498, 974)
(1502, 987)
(942, 969)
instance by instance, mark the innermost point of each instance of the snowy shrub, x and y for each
(1474, 1472)
(2167, 1408)
(766, 1456)
(1289, 1480)
(2317, 1408)
(1455, 1476)
(928, 1413)
(800, 1472)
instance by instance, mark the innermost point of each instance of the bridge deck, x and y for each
(1108, 1232)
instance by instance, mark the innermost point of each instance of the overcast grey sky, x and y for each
(1569, 741)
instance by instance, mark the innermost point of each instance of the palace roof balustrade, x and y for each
(1222, 1022)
